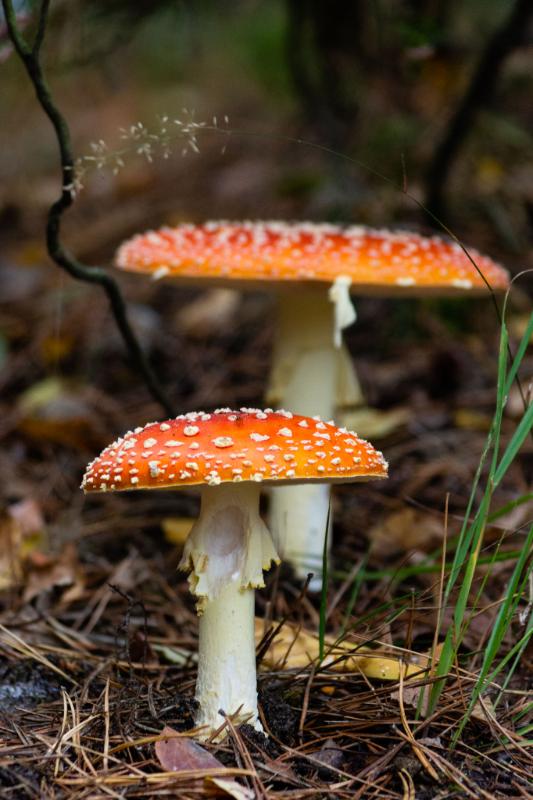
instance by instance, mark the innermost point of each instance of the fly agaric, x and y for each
(229, 454)
(314, 267)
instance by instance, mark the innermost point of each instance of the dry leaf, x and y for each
(294, 648)
(372, 423)
(179, 753)
(22, 530)
(471, 420)
(210, 313)
(53, 410)
(10, 552)
(177, 529)
(330, 754)
(47, 573)
(233, 788)
(404, 530)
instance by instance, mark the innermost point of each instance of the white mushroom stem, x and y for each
(226, 552)
(312, 374)
(226, 659)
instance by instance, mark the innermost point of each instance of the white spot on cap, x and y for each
(154, 468)
(407, 281)
(259, 437)
(460, 283)
(223, 441)
(285, 432)
(173, 443)
(149, 443)
(191, 430)
(164, 426)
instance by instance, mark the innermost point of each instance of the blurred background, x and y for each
(306, 109)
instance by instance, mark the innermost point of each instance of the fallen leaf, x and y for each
(490, 173)
(294, 648)
(232, 788)
(372, 423)
(56, 348)
(54, 410)
(330, 754)
(175, 656)
(46, 573)
(472, 420)
(179, 753)
(209, 314)
(27, 513)
(405, 530)
(176, 529)
(10, 552)
(22, 530)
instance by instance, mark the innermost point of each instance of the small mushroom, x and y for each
(229, 454)
(314, 268)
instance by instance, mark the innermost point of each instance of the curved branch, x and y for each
(29, 55)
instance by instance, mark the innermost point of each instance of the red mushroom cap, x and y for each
(233, 446)
(376, 261)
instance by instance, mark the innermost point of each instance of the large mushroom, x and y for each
(229, 454)
(314, 268)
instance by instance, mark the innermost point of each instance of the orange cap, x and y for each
(233, 446)
(375, 261)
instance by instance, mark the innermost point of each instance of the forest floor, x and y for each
(98, 632)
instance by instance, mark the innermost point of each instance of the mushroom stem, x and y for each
(310, 376)
(226, 659)
(226, 552)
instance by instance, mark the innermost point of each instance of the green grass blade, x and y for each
(324, 593)
(471, 537)
(358, 579)
(501, 512)
(521, 433)
(503, 620)
(520, 353)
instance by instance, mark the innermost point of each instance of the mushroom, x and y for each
(314, 267)
(229, 454)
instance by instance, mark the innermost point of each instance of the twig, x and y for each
(29, 55)
(479, 91)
